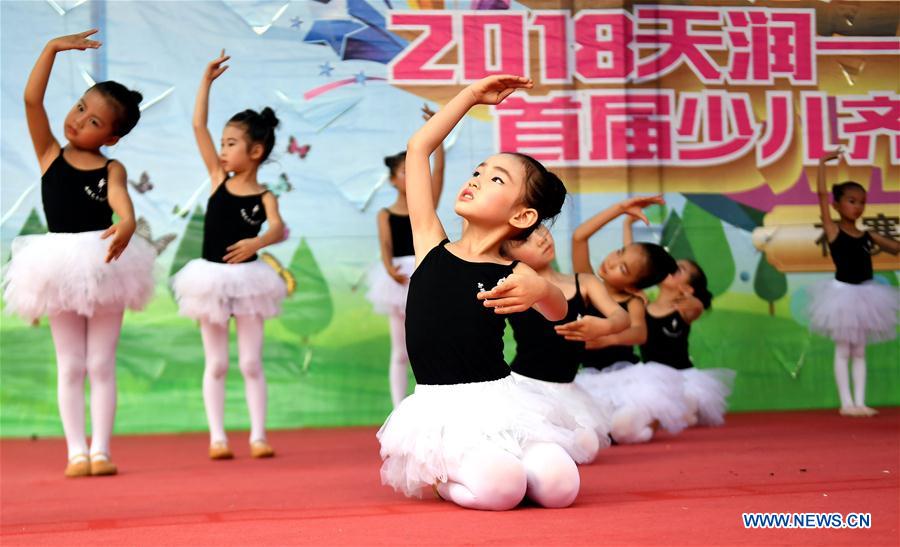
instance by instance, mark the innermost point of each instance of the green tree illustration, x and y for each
(33, 224)
(309, 309)
(768, 283)
(674, 238)
(191, 245)
(711, 249)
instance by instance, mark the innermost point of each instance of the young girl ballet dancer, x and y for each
(229, 280)
(82, 283)
(683, 296)
(851, 309)
(639, 396)
(389, 281)
(545, 361)
(468, 430)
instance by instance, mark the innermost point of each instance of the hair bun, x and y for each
(555, 195)
(136, 97)
(269, 117)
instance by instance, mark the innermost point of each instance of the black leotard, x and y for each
(229, 219)
(75, 200)
(540, 352)
(667, 340)
(604, 357)
(451, 337)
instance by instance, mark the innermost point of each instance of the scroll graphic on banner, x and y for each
(796, 243)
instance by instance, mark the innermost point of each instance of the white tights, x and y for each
(843, 353)
(397, 372)
(215, 348)
(86, 347)
(493, 479)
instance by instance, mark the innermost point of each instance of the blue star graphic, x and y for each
(360, 78)
(296, 22)
(325, 69)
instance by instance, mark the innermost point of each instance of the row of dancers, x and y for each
(478, 435)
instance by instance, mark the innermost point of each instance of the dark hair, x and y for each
(259, 127)
(697, 281)
(660, 265)
(544, 191)
(128, 102)
(394, 162)
(838, 190)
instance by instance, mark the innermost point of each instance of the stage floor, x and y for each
(324, 488)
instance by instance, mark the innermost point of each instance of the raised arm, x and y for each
(581, 254)
(831, 229)
(120, 203)
(420, 199)
(46, 147)
(201, 132)
(628, 231)
(245, 248)
(437, 172)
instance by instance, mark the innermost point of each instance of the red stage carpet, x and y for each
(323, 488)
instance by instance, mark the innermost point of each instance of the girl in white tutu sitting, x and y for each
(640, 396)
(229, 280)
(468, 430)
(683, 296)
(81, 282)
(852, 309)
(546, 362)
(389, 280)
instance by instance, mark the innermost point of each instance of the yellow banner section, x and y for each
(881, 217)
(802, 248)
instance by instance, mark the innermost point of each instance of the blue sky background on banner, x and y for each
(334, 50)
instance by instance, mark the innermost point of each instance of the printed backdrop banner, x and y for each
(723, 107)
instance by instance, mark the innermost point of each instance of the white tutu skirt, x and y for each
(854, 313)
(707, 391)
(432, 430)
(214, 292)
(66, 272)
(639, 394)
(385, 294)
(573, 400)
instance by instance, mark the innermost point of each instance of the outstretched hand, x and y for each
(395, 274)
(493, 89)
(121, 233)
(634, 207)
(242, 250)
(584, 328)
(78, 41)
(833, 155)
(215, 68)
(513, 294)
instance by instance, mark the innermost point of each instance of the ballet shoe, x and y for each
(78, 466)
(100, 465)
(261, 449)
(851, 412)
(220, 451)
(866, 412)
